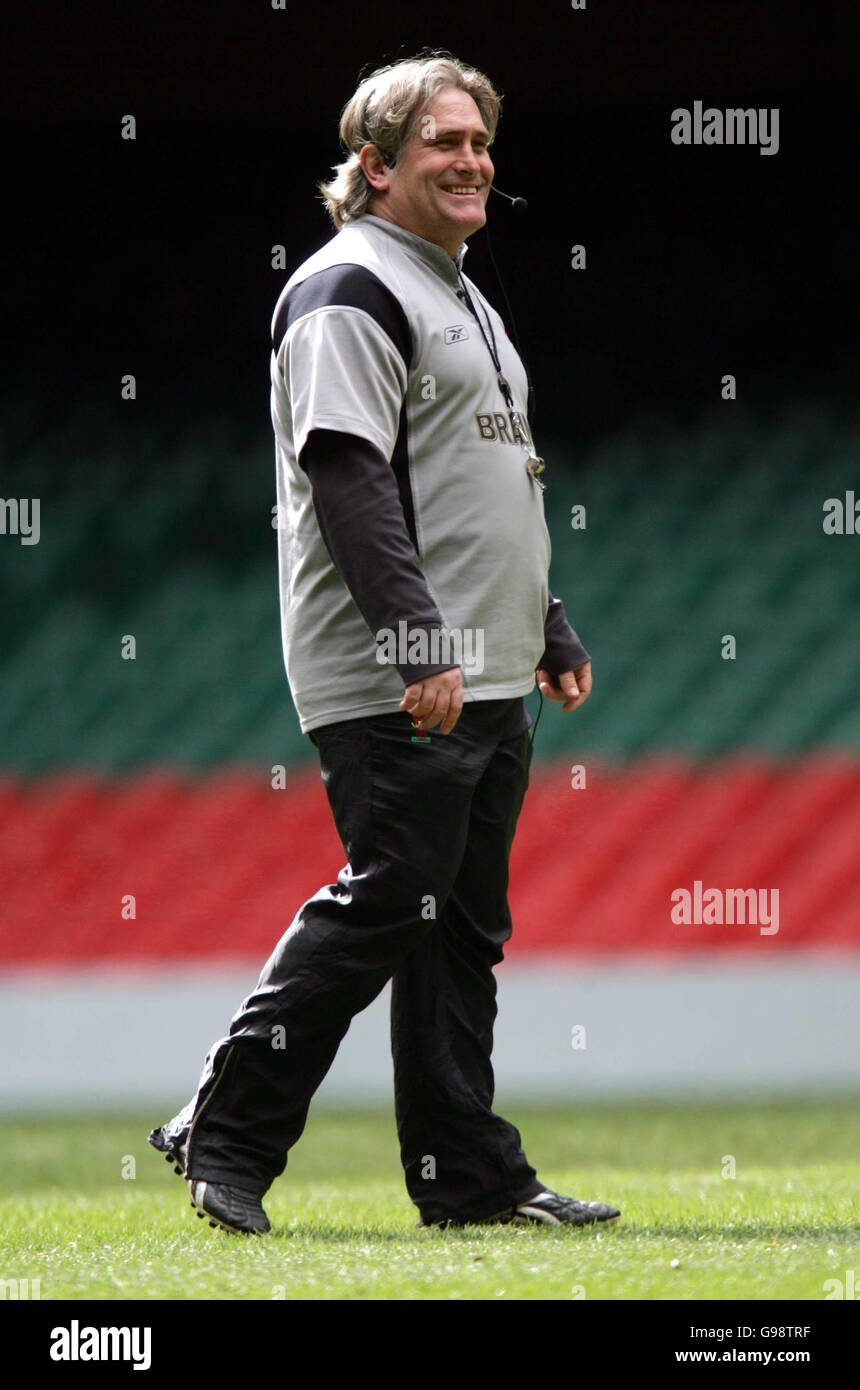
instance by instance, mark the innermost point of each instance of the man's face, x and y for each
(446, 153)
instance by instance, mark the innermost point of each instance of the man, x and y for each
(413, 559)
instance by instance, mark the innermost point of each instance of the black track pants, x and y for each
(427, 831)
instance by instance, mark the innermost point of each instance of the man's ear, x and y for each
(374, 166)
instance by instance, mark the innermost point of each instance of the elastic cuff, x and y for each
(556, 661)
(411, 675)
(491, 1204)
(528, 1194)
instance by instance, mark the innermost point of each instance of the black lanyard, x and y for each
(504, 384)
(534, 465)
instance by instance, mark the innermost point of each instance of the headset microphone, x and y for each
(519, 203)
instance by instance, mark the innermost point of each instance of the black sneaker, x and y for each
(231, 1208)
(546, 1209)
(551, 1209)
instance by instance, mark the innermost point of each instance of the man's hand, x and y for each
(436, 699)
(574, 687)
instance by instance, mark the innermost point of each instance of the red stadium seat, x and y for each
(218, 864)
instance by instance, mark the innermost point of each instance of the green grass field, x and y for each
(343, 1227)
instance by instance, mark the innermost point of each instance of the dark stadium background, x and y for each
(152, 257)
(155, 254)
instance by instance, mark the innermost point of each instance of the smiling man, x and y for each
(438, 188)
(408, 504)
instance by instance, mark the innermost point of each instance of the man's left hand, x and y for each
(574, 687)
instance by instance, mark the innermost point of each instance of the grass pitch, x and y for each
(73, 1216)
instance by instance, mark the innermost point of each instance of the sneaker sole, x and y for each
(534, 1216)
(172, 1156)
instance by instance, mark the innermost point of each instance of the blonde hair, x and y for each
(384, 111)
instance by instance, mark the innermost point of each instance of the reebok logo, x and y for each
(456, 333)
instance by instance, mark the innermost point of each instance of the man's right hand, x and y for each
(436, 700)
